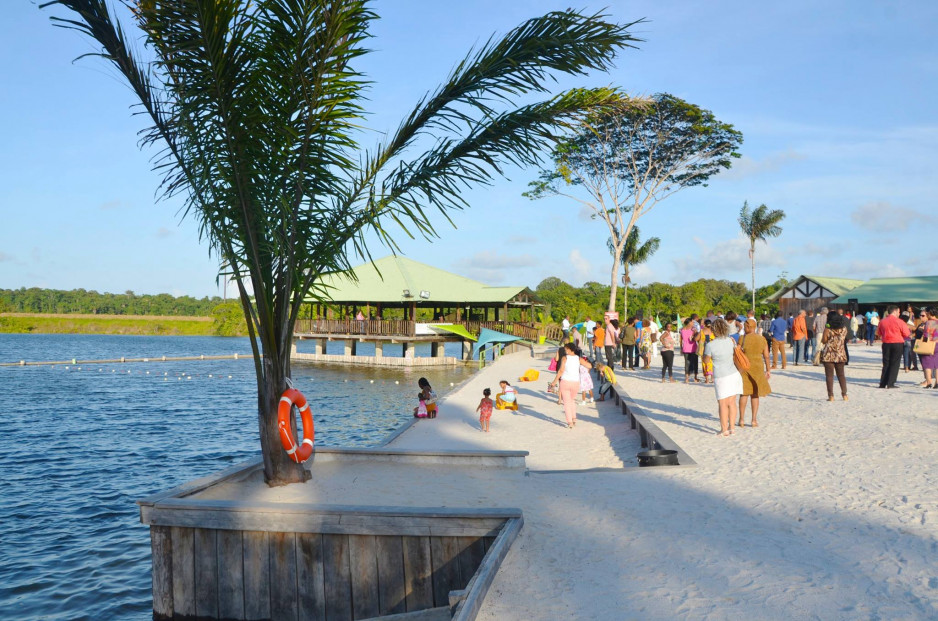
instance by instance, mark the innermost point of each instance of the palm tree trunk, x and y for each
(614, 289)
(279, 469)
(752, 260)
(625, 294)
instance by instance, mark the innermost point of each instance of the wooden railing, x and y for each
(364, 327)
(404, 328)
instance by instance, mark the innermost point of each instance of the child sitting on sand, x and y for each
(485, 410)
(507, 399)
(429, 397)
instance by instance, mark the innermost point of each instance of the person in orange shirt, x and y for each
(799, 335)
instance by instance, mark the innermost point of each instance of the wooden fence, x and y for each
(404, 328)
(356, 327)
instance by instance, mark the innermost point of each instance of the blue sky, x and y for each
(835, 101)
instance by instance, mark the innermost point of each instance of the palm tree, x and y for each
(760, 224)
(257, 109)
(633, 254)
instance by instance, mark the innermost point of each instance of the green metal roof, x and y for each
(837, 286)
(914, 289)
(385, 280)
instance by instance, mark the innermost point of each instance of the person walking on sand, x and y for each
(892, 332)
(834, 354)
(689, 349)
(611, 339)
(627, 338)
(778, 328)
(596, 345)
(756, 379)
(485, 410)
(565, 326)
(568, 381)
(727, 381)
(810, 346)
(667, 352)
(929, 362)
(799, 335)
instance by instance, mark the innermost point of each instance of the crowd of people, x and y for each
(737, 354)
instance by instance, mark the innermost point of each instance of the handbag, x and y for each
(924, 347)
(740, 358)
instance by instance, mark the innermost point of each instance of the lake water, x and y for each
(79, 444)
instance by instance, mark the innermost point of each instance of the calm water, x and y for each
(79, 444)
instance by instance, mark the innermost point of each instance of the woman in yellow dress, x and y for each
(756, 380)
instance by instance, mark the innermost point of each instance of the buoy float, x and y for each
(293, 397)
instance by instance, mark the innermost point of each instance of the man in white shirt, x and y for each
(566, 329)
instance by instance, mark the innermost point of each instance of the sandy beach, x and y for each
(826, 511)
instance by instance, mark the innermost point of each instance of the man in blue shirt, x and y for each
(778, 329)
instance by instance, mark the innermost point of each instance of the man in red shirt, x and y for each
(893, 332)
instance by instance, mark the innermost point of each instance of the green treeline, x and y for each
(665, 300)
(80, 301)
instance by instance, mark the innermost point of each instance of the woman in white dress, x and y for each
(726, 379)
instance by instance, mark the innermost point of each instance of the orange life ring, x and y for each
(293, 397)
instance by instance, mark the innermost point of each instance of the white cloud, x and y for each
(812, 249)
(6, 257)
(490, 267)
(728, 258)
(862, 269)
(163, 232)
(880, 216)
(749, 167)
(582, 269)
(521, 239)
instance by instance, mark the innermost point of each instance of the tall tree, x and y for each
(758, 225)
(257, 106)
(628, 158)
(633, 253)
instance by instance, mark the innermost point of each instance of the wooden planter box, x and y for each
(242, 559)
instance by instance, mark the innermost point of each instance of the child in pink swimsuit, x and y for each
(485, 410)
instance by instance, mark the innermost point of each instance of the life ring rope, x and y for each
(298, 452)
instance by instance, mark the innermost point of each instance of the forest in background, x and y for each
(559, 298)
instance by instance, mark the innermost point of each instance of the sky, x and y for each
(835, 101)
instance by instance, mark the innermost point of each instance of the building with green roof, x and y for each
(812, 292)
(357, 302)
(915, 290)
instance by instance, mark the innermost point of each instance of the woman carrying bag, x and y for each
(927, 344)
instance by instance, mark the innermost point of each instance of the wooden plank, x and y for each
(311, 596)
(444, 553)
(256, 575)
(418, 573)
(363, 567)
(283, 577)
(469, 608)
(161, 547)
(337, 577)
(237, 471)
(391, 593)
(471, 553)
(206, 572)
(230, 574)
(183, 571)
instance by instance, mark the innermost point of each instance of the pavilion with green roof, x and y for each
(430, 305)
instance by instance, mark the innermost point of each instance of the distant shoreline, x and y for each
(146, 325)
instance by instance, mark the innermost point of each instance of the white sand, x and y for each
(826, 511)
